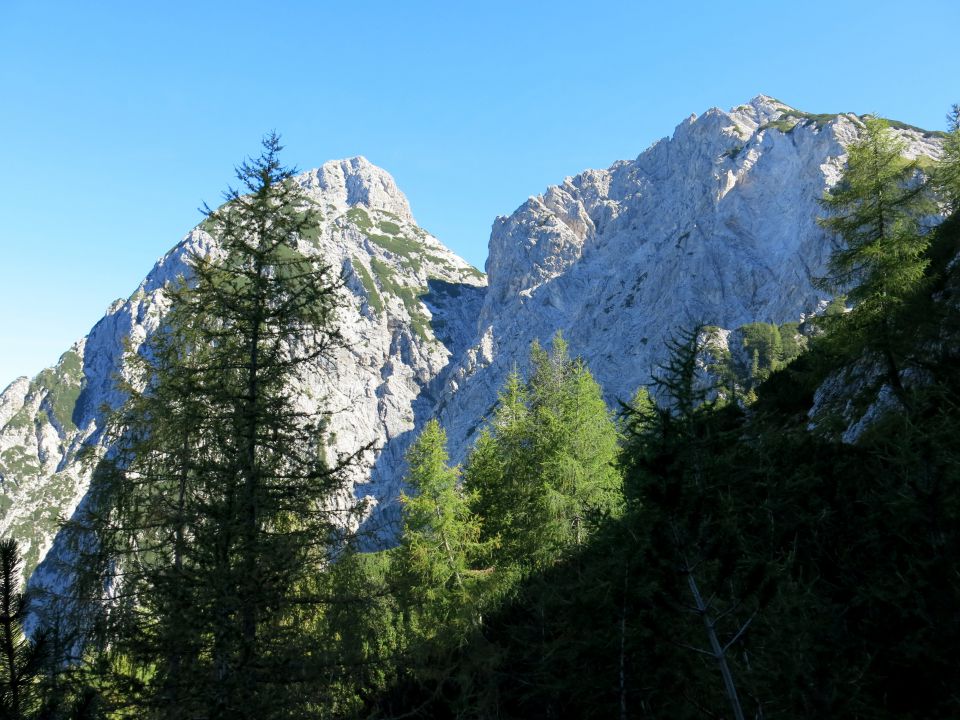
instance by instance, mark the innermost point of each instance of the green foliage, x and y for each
(310, 222)
(784, 124)
(473, 272)
(373, 297)
(836, 307)
(440, 547)
(17, 463)
(354, 629)
(792, 119)
(765, 340)
(759, 353)
(926, 133)
(545, 469)
(21, 420)
(818, 120)
(409, 251)
(410, 297)
(359, 217)
(792, 342)
(877, 209)
(391, 228)
(694, 525)
(947, 173)
(64, 383)
(22, 660)
(214, 510)
(440, 568)
(680, 381)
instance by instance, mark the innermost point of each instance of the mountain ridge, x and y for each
(715, 223)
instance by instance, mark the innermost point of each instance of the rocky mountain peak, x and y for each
(354, 182)
(766, 104)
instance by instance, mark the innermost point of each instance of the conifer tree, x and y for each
(439, 567)
(440, 544)
(499, 474)
(216, 505)
(143, 512)
(689, 514)
(876, 209)
(22, 660)
(947, 173)
(546, 467)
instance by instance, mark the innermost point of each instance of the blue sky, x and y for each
(119, 119)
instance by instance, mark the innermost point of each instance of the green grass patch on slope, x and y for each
(471, 271)
(408, 295)
(14, 461)
(360, 218)
(391, 228)
(926, 133)
(410, 250)
(784, 124)
(790, 121)
(62, 385)
(21, 420)
(370, 287)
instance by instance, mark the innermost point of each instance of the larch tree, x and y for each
(216, 504)
(440, 567)
(545, 469)
(877, 210)
(947, 173)
(689, 515)
(440, 550)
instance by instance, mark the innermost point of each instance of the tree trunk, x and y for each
(717, 649)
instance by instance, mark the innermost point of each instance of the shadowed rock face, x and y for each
(715, 224)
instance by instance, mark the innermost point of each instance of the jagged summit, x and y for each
(356, 181)
(768, 103)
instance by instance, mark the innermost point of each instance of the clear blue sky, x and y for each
(118, 119)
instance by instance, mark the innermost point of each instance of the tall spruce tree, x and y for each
(876, 209)
(216, 504)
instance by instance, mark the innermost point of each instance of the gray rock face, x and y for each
(404, 312)
(716, 223)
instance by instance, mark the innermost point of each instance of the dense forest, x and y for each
(770, 530)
